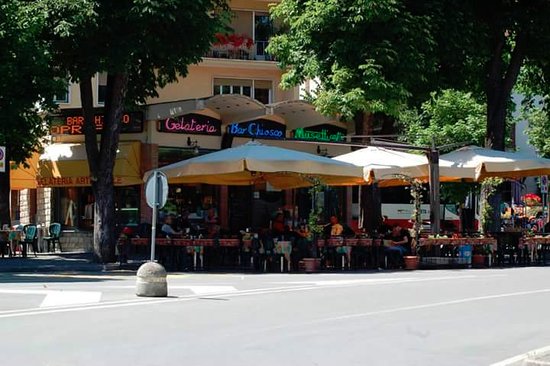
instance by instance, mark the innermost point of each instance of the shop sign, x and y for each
(192, 124)
(71, 181)
(2, 159)
(321, 133)
(71, 122)
(259, 129)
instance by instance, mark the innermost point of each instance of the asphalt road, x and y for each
(463, 317)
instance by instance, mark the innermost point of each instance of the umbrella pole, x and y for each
(435, 207)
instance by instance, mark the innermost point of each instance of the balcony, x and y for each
(239, 47)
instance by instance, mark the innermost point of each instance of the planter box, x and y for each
(311, 265)
(445, 261)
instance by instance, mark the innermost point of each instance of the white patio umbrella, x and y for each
(382, 165)
(254, 163)
(473, 163)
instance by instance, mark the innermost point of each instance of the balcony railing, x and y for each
(239, 47)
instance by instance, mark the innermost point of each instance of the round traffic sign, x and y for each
(156, 189)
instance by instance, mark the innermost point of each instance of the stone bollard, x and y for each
(151, 280)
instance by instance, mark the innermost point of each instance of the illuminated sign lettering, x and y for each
(71, 122)
(260, 129)
(322, 133)
(195, 124)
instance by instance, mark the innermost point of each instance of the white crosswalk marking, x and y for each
(59, 298)
(62, 298)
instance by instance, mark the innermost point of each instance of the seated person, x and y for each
(211, 222)
(167, 228)
(400, 243)
(278, 225)
(384, 228)
(334, 228)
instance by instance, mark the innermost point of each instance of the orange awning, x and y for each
(66, 165)
(25, 178)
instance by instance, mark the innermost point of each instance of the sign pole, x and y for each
(155, 213)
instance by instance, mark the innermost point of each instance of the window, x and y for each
(257, 89)
(263, 30)
(101, 87)
(74, 207)
(62, 98)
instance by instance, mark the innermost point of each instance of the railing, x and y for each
(257, 51)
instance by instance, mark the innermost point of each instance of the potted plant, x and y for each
(412, 261)
(315, 230)
(479, 255)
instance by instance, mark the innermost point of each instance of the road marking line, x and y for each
(42, 311)
(206, 290)
(60, 298)
(522, 357)
(375, 281)
(427, 306)
(24, 292)
(63, 298)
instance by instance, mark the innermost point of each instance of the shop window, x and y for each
(74, 207)
(169, 155)
(127, 205)
(257, 89)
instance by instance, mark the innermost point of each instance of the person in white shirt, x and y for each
(167, 228)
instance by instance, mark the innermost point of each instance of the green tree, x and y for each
(27, 87)
(448, 117)
(354, 48)
(142, 45)
(538, 130)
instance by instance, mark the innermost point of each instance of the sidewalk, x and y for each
(61, 262)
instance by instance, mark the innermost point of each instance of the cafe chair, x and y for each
(31, 234)
(54, 233)
(5, 245)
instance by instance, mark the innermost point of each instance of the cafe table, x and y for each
(532, 243)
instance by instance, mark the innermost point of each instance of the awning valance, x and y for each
(66, 165)
(25, 177)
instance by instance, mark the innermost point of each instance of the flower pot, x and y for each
(311, 264)
(478, 260)
(411, 261)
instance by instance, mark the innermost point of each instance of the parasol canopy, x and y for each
(254, 163)
(474, 163)
(382, 165)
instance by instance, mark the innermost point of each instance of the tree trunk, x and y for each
(101, 160)
(5, 194)
(500, 82)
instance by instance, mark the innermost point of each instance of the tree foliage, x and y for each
(368, 56)
(538, 130)
(448, 117)
(28, 84)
